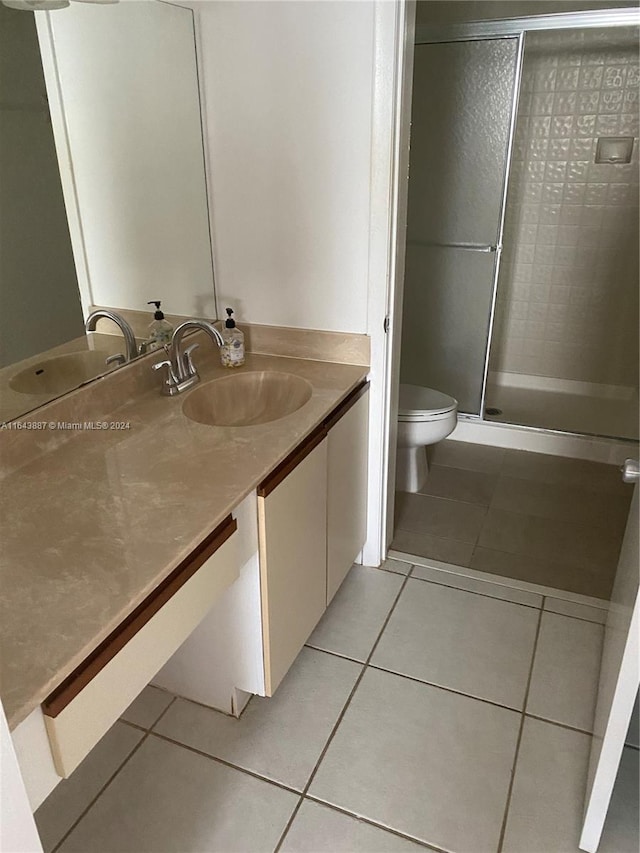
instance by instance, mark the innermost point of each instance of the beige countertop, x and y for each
(91, 527)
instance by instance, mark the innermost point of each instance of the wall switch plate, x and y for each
(614, 149)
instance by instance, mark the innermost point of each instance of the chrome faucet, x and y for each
(181, 372)
(125, 328)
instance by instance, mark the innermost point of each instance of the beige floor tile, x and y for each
(575, 504)
(460, 485)
(545, 468)
(578, 611)
(396, 566)
(543, 571)
(423, 761)
(564, 682)
(563, 542)
(320, 829)
(280, 738)
(462, 454)
(547, 802)
(493, 590)
(545, 812)
(439, 517)
(169, 799)
(70, 798)
(145, 710)
(470, 643)
(420, 545)
(355, 617)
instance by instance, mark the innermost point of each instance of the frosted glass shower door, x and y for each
(463, 95)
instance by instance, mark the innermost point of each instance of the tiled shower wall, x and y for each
(568, 286)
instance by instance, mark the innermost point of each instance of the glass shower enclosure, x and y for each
(461, 131)
(526, 103)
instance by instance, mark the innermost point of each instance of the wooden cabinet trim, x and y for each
(284, 468)
(109, 648)
(282, 471)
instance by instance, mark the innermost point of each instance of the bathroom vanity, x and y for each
(199, 557)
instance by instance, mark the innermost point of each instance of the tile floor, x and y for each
(543, 519)
(428, 711)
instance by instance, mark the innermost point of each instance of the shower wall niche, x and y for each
(566, 316)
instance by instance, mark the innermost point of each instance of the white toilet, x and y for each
(424, 417)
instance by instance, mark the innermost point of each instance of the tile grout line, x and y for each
(455, 692)
(523, 717)
(483, 594)
(565, 726)
(341, 715)
(510, 601)
(370, 822)
(577, 618)
(556, 594)
(147, 732)
(340, 655)
(442, 687)
(452, 500)
(225, 763)
(398, 527)
(99, 794)
(131, 725)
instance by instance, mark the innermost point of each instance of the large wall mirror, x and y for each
(104, 193)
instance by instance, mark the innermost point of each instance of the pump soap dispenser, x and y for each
(160, 330)
(232, 353)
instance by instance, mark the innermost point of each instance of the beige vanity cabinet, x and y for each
(292, 532)
(346, 487)
(79, 712)
(311, 527)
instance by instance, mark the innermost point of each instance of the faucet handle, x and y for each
(118, 358)
(188, 360)
(171, 380)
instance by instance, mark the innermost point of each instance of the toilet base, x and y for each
(412, 468)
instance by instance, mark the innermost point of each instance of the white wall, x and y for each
(288, 94)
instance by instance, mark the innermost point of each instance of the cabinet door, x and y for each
(292, 519)
(346, 492)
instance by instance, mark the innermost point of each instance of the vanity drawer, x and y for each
(79, 712)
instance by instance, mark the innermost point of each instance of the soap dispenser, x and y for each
(232, 352)
(160, 330)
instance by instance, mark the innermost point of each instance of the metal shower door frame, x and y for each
(515, 28)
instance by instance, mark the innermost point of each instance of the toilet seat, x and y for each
(423, 404)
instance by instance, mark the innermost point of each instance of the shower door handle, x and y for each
(469, 247)
(630, 470)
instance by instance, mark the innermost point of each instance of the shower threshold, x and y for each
(565, 406)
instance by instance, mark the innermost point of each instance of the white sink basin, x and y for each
(60, 374)
(247, 399)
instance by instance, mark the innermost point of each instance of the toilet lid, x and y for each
(416, 400)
